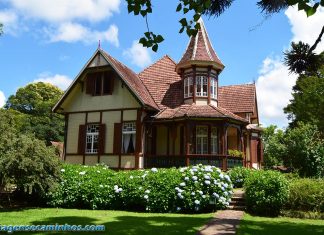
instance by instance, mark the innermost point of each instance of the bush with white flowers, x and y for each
(190, 189)
(203, 187)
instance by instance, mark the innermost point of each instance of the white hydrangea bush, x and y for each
(203, 187)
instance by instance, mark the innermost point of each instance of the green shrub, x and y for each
(27, 163)
(306, 195)
(266, 192)
(190, 189)
(238, 176)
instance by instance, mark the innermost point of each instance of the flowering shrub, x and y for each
(190, 189)
(202, 186)
(238, 176)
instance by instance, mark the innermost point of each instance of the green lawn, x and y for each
(116, 222)
(279, 226)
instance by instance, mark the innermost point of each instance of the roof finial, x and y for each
(99, 46)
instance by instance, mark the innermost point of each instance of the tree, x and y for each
(34, 103)
(196, 8)
(307, 104)
(305, 150)
(1, 30)
(274, 147)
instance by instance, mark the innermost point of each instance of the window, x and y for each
(214, 140)
(129, 137)
(201, 85)
(92, 134)
(202, 140)
(100, 83)
(213, 88)
(188, 87)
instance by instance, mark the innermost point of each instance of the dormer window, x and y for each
(188, 87)
(99, 83)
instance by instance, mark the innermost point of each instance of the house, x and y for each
(170, 114)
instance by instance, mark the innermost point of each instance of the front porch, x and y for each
(190, 142)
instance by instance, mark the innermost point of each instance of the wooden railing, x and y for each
(224, 162)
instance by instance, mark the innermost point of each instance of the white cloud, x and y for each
(305, 28)
(138, 55)
(55, 11)
(10, 21)
(74, 32)
(2, 99)
(274, 87)
(61, 81)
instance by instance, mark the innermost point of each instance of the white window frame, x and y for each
(92, 137)
(188, 81)
(214, 140)
(201, 80)
(202, 139)
(213, 88)
(128, 128)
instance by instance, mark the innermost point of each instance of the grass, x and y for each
(280, 226)
(116, 222)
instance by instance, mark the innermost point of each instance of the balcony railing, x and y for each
(224, 162)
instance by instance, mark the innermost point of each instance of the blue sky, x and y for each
(51, 40)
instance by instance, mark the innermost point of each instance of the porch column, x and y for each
(187, 141)
(225, 147)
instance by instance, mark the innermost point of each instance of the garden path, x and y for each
(224, 223)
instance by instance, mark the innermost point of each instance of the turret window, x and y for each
(201, 84)
(213, 88)
(188, 87)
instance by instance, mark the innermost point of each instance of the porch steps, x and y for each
(237, 201)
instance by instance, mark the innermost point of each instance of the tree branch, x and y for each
(317, 41)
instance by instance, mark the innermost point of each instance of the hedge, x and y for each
(189, 189)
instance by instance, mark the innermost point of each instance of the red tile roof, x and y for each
(193, 110)
(132, 81)
(163, 83)
(200, 48)
(237, 98)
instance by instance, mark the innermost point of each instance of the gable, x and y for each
(238, 98)
(126, 78)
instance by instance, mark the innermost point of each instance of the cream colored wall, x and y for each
(201, 101)
(91, 159)
(80, 101)
(127, 161)
(75, 159)
(130, 115)
(94, 117)
(161, 140)
(111, 161)
(109, 119)
(75, 120)
(248, 156)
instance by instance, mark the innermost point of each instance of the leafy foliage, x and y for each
(236, 153)
(196, 8)
(306, 195)
(307, 104)
(266, 192)
(274, 146)
(305, 150)
(164, 190)
(238, 176)
(33, 104)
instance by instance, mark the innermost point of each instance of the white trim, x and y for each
(203, 31)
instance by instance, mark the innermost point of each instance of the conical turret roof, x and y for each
(200, 51)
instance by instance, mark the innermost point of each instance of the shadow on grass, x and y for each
(131, 225)
(267, 227)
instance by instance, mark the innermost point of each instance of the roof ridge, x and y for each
(244, 84)
(159, 60)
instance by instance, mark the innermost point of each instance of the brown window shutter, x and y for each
(90, 84)
(102, 138)
(154, 136)
(181, 140)
(117, 138)
(82, 139)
